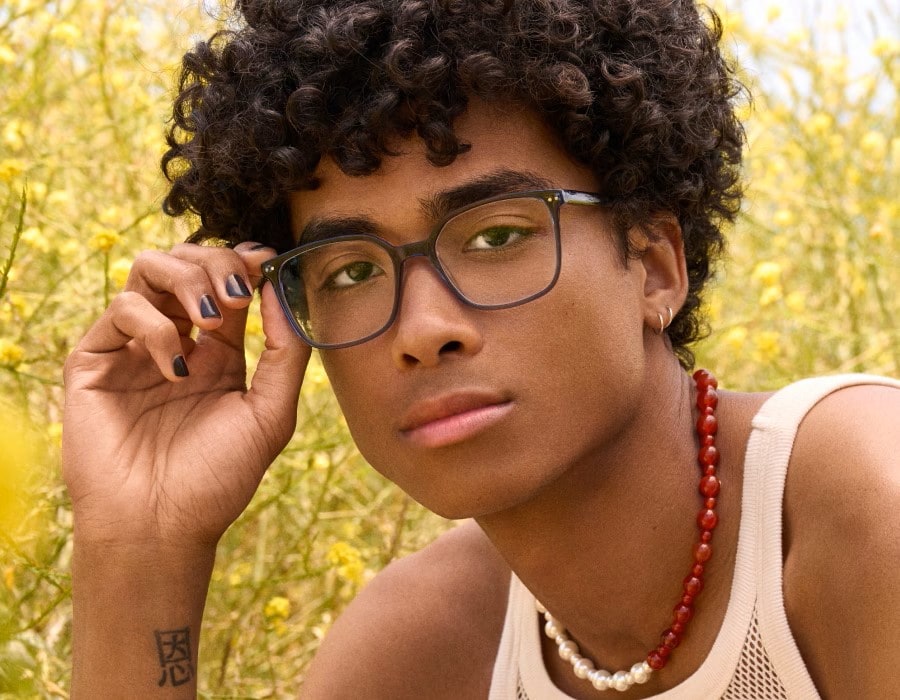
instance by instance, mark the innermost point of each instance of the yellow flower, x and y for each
(66, 33)
(119, 270)
(10, 169)
(320, 461)
(352, 572)
(9, 577)
(341, 553)
(736, 337)
(819, 124)
(54, 433)
(773, 12)
(104, 240)
(796, 302)
(16, 457)
(878, 232)
(33, 237)
(797, 37)
(874, 145)
(770, 295)
(277, 607)
(885, 46)
(783, 218)
(11, 354)
(767, 345)
(768, 273)
(7, 55)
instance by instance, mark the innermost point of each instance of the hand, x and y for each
(150, 456)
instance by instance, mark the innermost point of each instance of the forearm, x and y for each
(136, 623)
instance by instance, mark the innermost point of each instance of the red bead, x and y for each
(693, 585)
(708, 455)
(707, 424)
(702, 552)
(704, 377)
(655, 661)
(683, 613)
(707, 440)
(687, 599)
(663, 651)
(710, 471)
(670, 639)
(709, 486)
(697, 570)
(707, 399)
(707, 519)
(710, 503)
(706, 536)
(677, 628)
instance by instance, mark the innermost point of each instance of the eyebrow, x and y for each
(436, 206)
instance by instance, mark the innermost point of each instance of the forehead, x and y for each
(503, 137)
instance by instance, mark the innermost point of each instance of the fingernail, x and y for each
(179, 366)
(236, 287)
(258, 246)
(208, 308)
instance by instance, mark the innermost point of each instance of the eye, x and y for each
(353, 274)
(497, 237)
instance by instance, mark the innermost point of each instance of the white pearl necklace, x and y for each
(584, 668)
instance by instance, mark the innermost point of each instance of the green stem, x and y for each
(17, 234)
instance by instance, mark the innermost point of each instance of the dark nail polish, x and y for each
(208, 308)
(180, 366)
(236, 287)
(258, 246)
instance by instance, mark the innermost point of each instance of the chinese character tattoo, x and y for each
(174, 648)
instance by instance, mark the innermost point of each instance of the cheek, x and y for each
(362, 392)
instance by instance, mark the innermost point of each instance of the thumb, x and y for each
(275, 387)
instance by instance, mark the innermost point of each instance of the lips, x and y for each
(452, 418)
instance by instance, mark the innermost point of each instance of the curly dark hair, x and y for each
(637, 90)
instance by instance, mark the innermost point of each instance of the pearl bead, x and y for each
(620, 680)
(560, 638)
(566, 649)
(552, 629)
(600, 679)
(575, 658)
(583, 667)
(638, 674)
(540, 606)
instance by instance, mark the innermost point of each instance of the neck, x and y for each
(606, 546)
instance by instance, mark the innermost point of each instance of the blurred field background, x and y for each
(810, 287)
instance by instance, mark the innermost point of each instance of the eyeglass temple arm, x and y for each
(575, 197)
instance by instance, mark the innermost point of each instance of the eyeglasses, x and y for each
(493, 254)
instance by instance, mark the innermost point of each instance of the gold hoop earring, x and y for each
(663, 324)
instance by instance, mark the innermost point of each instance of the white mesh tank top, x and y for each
(754, 656)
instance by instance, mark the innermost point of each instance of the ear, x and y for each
(663, 265)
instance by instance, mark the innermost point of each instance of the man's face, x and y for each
(473, 411)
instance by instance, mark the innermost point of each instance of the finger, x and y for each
(254, 255)
(178, 288)
(225, 269)
(275, 387)
(131, 317)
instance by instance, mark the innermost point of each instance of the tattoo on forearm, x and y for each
(174, 649)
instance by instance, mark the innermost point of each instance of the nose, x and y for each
(432, 324)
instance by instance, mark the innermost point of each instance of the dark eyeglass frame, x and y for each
(554, 199)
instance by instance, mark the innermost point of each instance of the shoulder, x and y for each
(427, 626)
(842, 541)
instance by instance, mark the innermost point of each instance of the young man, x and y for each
(505, 215)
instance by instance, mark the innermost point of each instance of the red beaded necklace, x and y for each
(708, 458)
